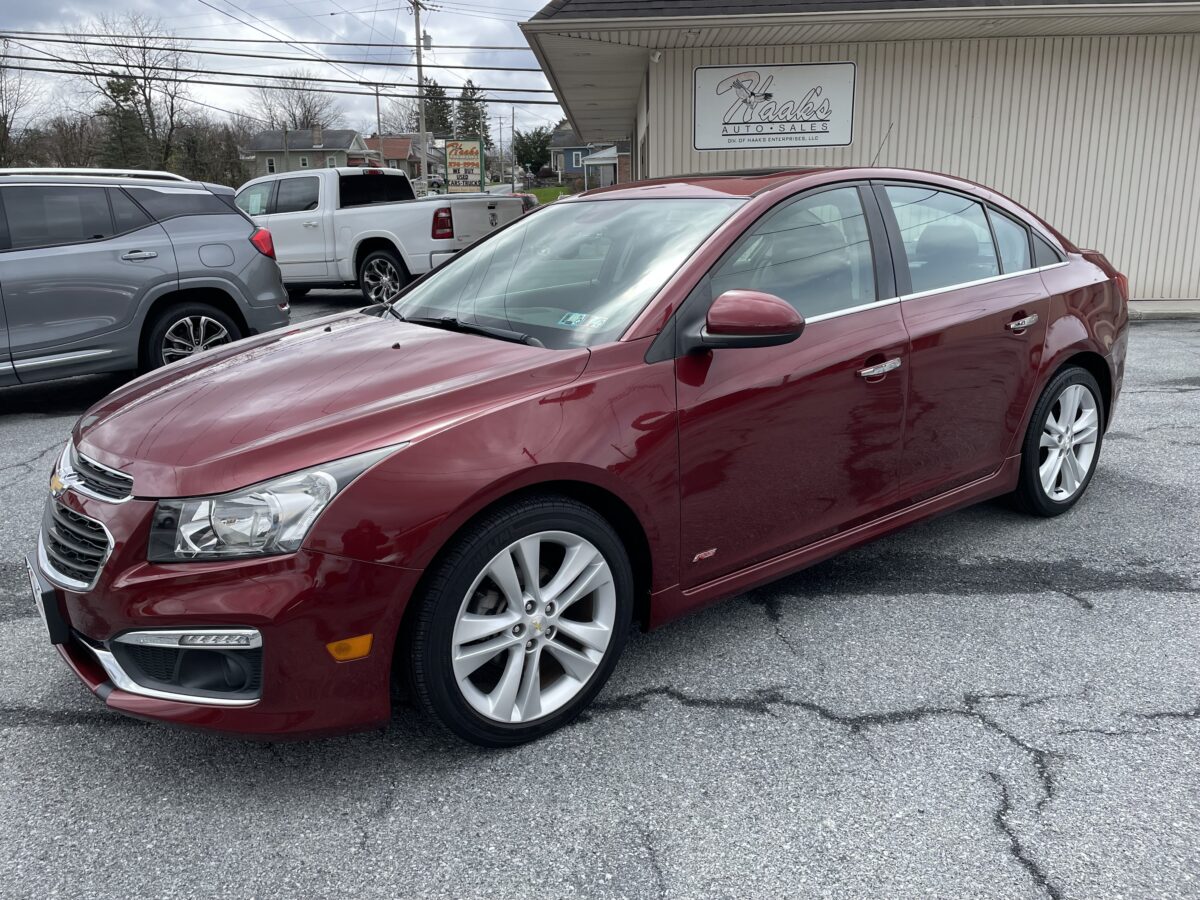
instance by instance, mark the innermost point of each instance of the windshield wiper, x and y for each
(452, 324)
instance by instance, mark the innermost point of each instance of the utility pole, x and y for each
(513, 146)
(378, 122)
(420, 41)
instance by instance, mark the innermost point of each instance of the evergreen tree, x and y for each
(470, 116)
(439, 120)
(532, 148)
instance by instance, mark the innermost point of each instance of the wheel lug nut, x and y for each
(529, 645)
(530, 606)
(517, 629)
(550, 609)
(550, 632)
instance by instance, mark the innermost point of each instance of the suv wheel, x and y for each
(182, 331)
(522, 622)
(381, 275)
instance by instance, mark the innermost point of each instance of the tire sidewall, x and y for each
(1031, 491)
(432, 644)
(171, 315)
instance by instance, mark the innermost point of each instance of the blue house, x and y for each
(567, 153)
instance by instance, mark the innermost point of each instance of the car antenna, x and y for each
(883, 142)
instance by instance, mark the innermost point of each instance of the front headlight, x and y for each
(263, 520)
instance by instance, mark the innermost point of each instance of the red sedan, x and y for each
(618, 409)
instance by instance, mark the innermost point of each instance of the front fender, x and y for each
(614, 430)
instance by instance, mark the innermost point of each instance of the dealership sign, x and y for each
(751, 107)
(464, 166)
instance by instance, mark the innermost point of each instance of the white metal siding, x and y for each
(1099, 135)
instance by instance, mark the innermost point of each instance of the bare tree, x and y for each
(141, 78)
(400, 116)
(19, 99)
(68, 138)
(291, 103)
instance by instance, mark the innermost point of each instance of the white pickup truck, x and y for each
(365, 227)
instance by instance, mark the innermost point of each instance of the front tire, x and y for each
(181, 331)
(1062, 445)
(522, 622)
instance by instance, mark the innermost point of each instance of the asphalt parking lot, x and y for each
(983, 705)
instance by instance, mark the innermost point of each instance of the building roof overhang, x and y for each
(597, 66)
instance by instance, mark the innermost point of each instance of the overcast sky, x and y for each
(469, 22)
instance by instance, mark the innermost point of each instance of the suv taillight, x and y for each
(443, 224)
(261, 239)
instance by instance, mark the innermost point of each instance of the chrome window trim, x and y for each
(121, 680)
(66, 582)
(823, 317)
(837, 313)
(57, 358)
(917, 295)
(169, 638)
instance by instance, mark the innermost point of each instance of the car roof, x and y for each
(753, 182)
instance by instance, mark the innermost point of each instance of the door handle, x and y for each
(1018, 326)
(134, 255)
(310, 224)
(882, 369)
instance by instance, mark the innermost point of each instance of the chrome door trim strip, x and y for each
(853, 309)
(58, 358)
(917, 295)
(7, 367)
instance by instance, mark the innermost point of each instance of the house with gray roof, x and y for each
(308, 148)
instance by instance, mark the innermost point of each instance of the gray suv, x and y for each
(108, 270)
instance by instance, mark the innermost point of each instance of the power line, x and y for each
(270, 87)
(292, 59)
(187, 70)
(30, 35)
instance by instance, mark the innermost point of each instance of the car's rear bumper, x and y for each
(298, 604)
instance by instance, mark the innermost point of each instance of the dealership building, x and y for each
(1088, 113)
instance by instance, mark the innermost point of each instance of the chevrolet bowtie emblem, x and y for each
(56, 485)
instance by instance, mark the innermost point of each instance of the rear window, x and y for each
(1013, 241)
(41, 216)
(167, 203)
(365, 189)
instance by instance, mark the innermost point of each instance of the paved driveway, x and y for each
(983, 705)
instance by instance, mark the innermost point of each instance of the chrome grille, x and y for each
(75, 546)
(100, 480)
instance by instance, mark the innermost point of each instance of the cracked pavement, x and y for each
(983, 705)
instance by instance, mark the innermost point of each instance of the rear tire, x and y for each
(1062, 444)
(489, 682)
(381, 276)
(183, 330)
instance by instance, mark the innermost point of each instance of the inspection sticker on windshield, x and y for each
(582, 320)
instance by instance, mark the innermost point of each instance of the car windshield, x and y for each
(572, 274)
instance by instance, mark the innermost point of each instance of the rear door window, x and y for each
(1043, 253)
(42, 216)
(297, 195)
(127, 215)
(946, 237)
(1013, 241)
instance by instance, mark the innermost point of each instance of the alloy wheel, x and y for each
(192, 334)
(534, 627)
(1067, 448)
(381, 279)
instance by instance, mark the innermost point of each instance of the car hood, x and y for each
(306, 395)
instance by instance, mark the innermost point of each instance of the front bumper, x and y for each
(298, 604)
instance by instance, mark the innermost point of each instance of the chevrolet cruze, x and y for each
(618, 409)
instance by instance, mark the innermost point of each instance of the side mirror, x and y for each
(749, 319)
